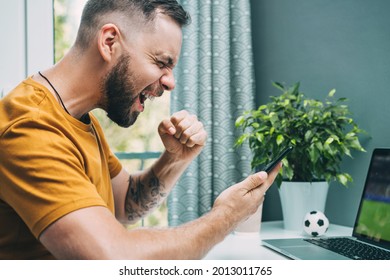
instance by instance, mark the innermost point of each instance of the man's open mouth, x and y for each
(143, 96)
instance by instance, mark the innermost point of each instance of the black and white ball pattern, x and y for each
(315, 223)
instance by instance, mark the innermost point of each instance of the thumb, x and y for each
(255, 180)
(166, 127)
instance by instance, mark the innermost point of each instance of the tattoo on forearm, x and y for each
(143, 195)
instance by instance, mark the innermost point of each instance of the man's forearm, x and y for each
(189, 241)
(145, 193)
(149, 189)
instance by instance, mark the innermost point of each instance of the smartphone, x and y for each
(268, 168)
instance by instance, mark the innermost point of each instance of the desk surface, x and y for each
(247, 246)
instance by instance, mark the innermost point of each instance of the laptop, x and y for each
(371, 231)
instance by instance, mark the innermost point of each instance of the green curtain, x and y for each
(215, 81)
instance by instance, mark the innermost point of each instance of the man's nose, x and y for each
(168, 81)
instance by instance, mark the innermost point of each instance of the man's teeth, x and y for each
(148, 96)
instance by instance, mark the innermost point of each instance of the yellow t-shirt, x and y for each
(50, 165)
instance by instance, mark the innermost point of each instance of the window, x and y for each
(30, 40)
(142, 136)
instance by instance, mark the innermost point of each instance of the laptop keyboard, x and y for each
(351, 248)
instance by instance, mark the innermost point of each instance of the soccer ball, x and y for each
(315, 223)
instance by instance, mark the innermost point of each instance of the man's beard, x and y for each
(119, 94)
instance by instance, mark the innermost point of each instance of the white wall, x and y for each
(26, 45)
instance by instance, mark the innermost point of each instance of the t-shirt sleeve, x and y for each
(114, 164)
(44, 175)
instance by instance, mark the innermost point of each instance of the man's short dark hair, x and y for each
(145, 10)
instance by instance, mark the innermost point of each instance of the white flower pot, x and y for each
(298, 198)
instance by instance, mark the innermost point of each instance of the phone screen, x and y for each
(268, 168)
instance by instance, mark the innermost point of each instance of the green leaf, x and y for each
(327, 115)
(319, 146)
(273, 117)
(255, 125)
(332, 92)
(346, 151)
(241, 140)
(295, 88)
(288, 172)
(262, 107)
(279, 139)
(278, 85)
(350, 135)
(240, 121)
(260, 137)
(308, 135)
(329, 141)
(355, 144)
(344, 178)
(314, 153)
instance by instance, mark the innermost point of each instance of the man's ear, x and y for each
(108, 41)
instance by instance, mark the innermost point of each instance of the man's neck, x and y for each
(76, 81)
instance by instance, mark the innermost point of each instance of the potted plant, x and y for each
(321, 132)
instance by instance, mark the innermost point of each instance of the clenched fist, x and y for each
(183, 135)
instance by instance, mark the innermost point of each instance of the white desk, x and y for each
(247, 246)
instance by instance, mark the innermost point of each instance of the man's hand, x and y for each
(183, 135)
(243, 199)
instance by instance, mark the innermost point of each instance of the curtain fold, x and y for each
(215, 81)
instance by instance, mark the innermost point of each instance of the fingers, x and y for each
(186, 128)
(189, 130)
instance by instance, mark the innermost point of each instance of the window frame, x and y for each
(29, 30)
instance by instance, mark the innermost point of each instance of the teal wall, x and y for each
(341, 44)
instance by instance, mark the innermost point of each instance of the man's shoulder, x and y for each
(26, 92)
(27, 103)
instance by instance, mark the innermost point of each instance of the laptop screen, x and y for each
(373, 220)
